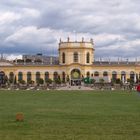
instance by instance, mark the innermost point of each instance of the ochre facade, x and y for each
(76, 61)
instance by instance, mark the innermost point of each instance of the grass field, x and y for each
(70, 115)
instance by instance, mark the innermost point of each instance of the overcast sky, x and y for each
(32, 26)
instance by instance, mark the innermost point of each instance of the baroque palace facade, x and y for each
(76, 61)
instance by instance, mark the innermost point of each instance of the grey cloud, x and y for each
(92, 18)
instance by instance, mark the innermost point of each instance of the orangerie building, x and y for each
(75, 61)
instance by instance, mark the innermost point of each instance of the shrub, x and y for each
(57, 81)
(131, 81)
(118, 81)
(48, 81)
(40, 81)
(92, 81)
(11, 81)
(21, 81)
(101, 81)
(30, 82)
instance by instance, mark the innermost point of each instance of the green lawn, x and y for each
(70, 115)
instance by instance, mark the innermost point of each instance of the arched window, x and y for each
(88, 74)
(114, 75)
(63, 58)
(46, 76)
(11, 77)
(105, 73)
(63, 76)
(96, 74)
(55, 75)
(88, 58)
(20, 76)
(29, 76)
(123, 76)
(2, 78)
(132, 75)
(37, 76)
(75, 57)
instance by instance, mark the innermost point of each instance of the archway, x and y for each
(114, 76)
(123, 76)
(132, 76)
(75, 77)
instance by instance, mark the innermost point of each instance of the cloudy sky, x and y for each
(32, 26)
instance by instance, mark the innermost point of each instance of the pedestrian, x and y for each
(138, 88)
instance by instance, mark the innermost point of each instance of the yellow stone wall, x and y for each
(68, 68)
(69, 48)
(81, 47)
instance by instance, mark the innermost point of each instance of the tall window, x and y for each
(123, 76)
(46, 76)
(75, 57)
(114, 75)
(88, 57)
(55, 75)
(2, 77)
(63, 58)
(29, 76)
(37, 76)
(11, 77)
(132, 75)
(63, 76)
(105, 73)
(20, 76)
(96, 73)
(88, 74)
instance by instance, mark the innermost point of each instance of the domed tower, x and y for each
(76, 52)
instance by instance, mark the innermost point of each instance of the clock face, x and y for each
(75, 75)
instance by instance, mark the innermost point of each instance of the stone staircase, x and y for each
(75, 88)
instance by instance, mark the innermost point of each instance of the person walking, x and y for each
(138, 88)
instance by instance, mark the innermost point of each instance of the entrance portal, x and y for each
(75, 77)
